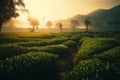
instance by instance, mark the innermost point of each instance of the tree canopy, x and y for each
(74, 24)
(49, 24)
(9, 9)
(34, 22)
(60, 25)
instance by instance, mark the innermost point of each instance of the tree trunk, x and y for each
(33, 29)
(73, 29)
(0, 26)
(60, 29)
(86, 28)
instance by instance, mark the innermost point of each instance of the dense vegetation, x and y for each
(60, 56)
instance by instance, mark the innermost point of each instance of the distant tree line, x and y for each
(73, 24)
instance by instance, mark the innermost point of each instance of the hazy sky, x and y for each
(62, 9)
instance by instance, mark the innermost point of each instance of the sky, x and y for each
(45, 10)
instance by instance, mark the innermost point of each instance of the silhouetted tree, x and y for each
(8, 10)
(74, 24)
(49, 24)
(60, 25)
(87, 23)
(34, 22)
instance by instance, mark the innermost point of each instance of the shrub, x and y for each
(10, 50)
(6, 40)
(91, 69)
(34, 43)
(13, 49)
(61, 49)
(72, 45)
(92, 46)
(75, 37)
(31, 65)
(42, 43)
(111, 55)
(48, 36)
(58, 40)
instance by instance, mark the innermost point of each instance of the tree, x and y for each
(49, 24)
(74, 24)
(60, 25)
(8, 10)
(87, 23)
(34, 22)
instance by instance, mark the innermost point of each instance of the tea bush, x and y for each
(92, 46)
(10, 50)
(43, 42)
(75, 38)
(31, 66)
(61, 49)
(72, 46)
(91, 69)
(111, 55)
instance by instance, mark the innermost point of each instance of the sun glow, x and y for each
(45, 10)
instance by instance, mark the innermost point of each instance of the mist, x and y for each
(14, 23)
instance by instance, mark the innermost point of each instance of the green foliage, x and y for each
(43, 42)
(112, 55)
(10, 50)
(92, 46)
(75, 37)
(59, 40)
(91, 69)
(112, 58)
(25, 66)
(32, 56)
(7, 40)
(61, 49)
(25, 37)
(72, 46)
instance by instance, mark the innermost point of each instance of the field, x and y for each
(60, 56)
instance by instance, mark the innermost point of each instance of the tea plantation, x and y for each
(60, 56)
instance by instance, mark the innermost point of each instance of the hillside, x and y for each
(106, 19)
(104, 14)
